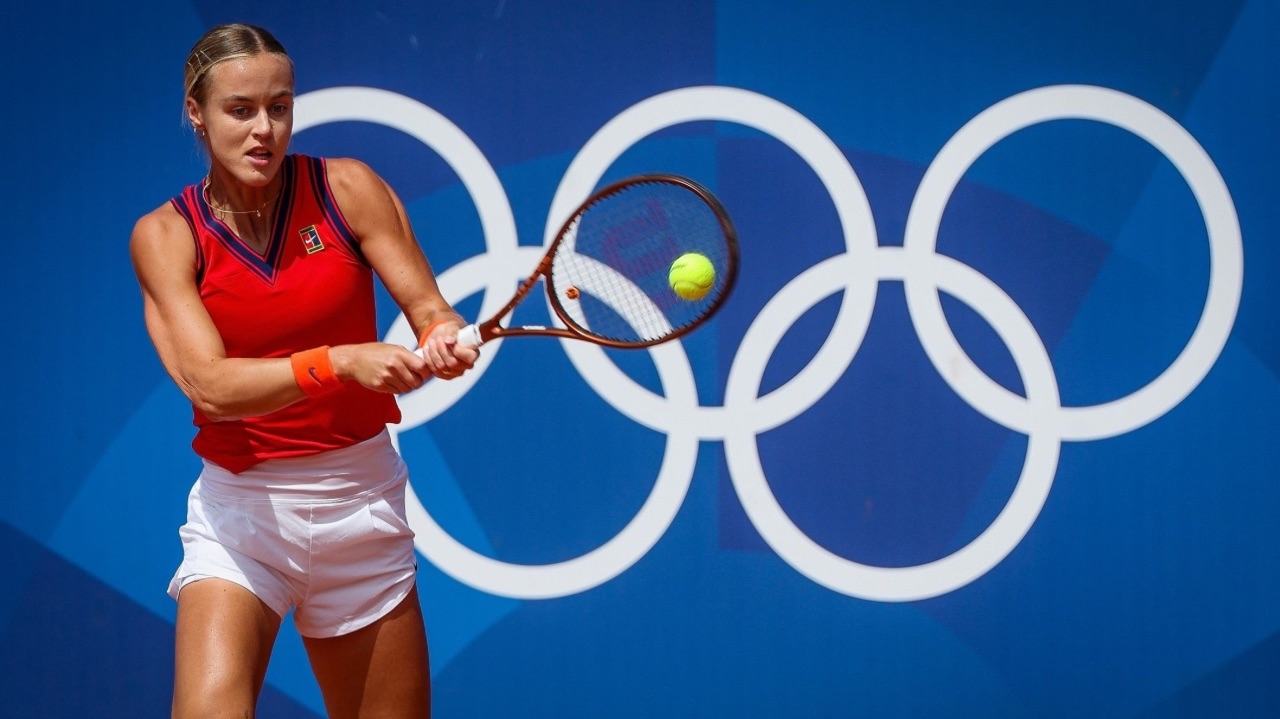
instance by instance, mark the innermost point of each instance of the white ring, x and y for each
(1225, 246)
(897, 584)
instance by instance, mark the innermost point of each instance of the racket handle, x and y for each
(469, 336)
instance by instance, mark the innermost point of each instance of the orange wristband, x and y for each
(313, 371)
(422, 338)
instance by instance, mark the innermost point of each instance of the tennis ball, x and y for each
(692, 275)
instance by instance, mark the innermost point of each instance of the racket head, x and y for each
(609, 274)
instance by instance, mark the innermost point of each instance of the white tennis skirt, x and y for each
(324, 535)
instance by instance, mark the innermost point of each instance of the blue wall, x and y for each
(987, 430)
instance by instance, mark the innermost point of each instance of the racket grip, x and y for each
(469, 336)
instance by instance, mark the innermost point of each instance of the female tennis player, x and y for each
(258, 294)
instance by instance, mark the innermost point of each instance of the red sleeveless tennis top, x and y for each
(312, 286)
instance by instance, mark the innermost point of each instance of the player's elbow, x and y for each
(210, 405)
(216, 413)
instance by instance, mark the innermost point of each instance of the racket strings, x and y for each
(611, 271)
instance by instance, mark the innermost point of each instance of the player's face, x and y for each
(248, 115)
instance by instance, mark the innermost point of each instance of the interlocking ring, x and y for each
(856, 273)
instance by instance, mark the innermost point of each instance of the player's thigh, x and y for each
(379, 671)
(223, 643)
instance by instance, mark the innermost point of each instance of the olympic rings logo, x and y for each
(857, 272)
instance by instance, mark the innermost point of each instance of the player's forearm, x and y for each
(233, 388)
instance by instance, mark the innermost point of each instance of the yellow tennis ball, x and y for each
(692, 275)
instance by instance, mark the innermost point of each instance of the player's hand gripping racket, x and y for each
(642, 261)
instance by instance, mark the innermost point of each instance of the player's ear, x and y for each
(194, 116)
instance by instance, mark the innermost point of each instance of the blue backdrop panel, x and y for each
(988, 428)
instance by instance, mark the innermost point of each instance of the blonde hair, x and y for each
(225, 42)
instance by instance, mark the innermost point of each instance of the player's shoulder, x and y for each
(159, 229)
(351, 174)
(360, 192)
(162, 220)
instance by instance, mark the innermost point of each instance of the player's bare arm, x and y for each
(379, 220)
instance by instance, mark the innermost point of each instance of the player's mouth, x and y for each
(260, 157)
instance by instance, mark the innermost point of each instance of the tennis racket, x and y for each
(609, 274)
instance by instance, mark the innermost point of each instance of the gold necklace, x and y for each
(205, 194)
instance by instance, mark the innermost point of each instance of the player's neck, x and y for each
(228, 197)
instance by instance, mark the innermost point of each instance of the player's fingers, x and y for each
(466, 356)
(452, 368)
(438, 357)
(419, 365)
(417, 370)
(407, 381)
(458, 357)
